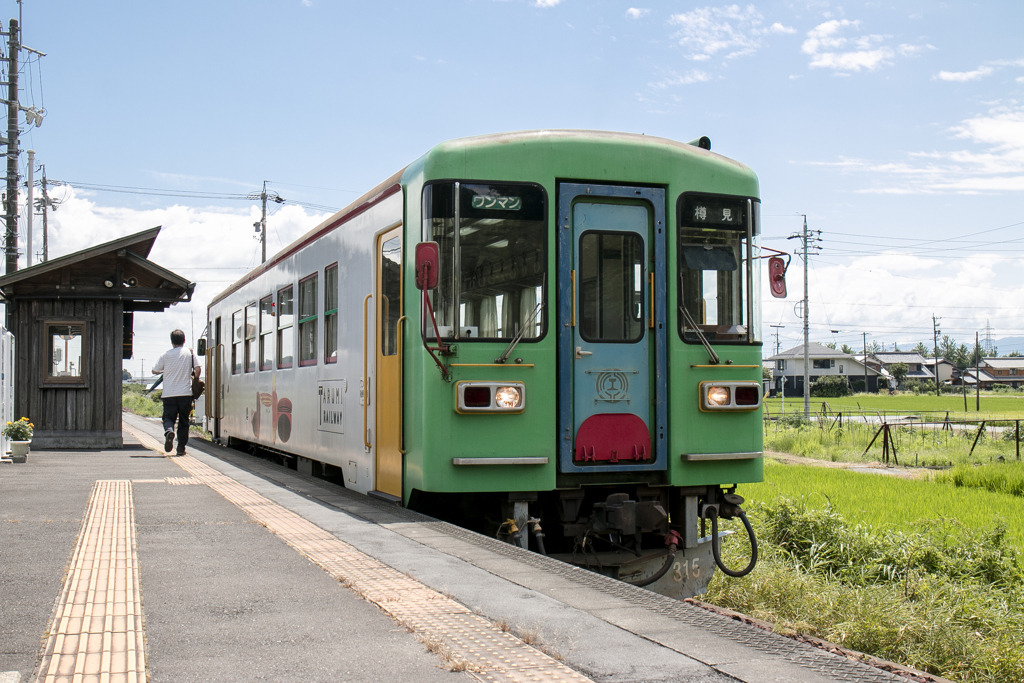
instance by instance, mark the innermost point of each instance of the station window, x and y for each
(267, 333)
(237, 336)
(307, 320)
(66, 349)
(331, 314)
(285, 319)
(250, 338)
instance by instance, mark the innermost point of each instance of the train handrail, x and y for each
(401, 388)
(366, 360)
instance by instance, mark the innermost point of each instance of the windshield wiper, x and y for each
(715, 360)
(522, 330)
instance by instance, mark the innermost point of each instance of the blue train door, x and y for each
(611, 324)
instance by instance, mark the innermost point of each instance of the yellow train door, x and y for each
(388, 295)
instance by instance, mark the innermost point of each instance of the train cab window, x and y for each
(492, 279)
(237, 337)
(307, 320)
(390, 295)
(285, 320)
(719, 282)
(611, 282)
(331, 314)
(267, 333)
(250, 338)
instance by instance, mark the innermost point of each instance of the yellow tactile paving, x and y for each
(465, 641)
(97, 631)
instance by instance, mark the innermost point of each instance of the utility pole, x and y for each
(28, 207)
(11, 213)
(261, 225)
(977, 373)
(935, 335)
(45, 203)
(808, 238)
(778, 345)
(865, 361)
(781, 386)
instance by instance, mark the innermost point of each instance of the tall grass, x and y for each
(135, 400)
(1005, 478)
(941, 597)
(888, 503)
(915, 445)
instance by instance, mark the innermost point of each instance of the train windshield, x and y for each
(719, 269)
(492, 270)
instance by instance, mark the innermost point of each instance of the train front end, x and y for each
(588, 307)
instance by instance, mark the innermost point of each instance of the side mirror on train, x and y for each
(201, 346)
(777, 277)
(428, 256)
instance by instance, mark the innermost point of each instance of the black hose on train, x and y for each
(716, 544)
(661, 572)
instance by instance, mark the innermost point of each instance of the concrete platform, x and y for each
(245, 571)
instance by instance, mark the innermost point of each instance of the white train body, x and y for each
(312, 410)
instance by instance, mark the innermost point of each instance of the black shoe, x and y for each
(168, 441)
(180, 453)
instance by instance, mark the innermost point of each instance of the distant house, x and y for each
(788, 368)
(918, 367)
(969, 377)
(1008, 370)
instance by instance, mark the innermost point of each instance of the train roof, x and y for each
(450, 158)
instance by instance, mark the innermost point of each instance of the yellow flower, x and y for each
(10, 423)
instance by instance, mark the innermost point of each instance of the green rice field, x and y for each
(992, 404)
(886, 502)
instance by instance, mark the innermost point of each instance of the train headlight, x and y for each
(508, 397)
(736, 396)
(490, 397)
(718, 396)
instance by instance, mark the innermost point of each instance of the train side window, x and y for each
(391, 295)
(250, 338)
(307, 320)
(237, 335)
(285, 318)
(267, 332)
(331, 314)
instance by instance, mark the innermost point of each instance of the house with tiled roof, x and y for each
(918, 367)
(1007, 370)
(788, 368)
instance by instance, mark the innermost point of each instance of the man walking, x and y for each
(177, 365)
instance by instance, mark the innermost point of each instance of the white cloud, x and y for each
(998, 166)
(963, 76)
(830, 48)
(228, 251)
(1020, 79)
(547, 3)
(734, 29)
(636, 13)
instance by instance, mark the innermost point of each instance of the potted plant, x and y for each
(20, 434)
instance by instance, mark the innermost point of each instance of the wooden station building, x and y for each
(72, 318)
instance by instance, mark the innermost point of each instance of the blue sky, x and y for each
(898, 128)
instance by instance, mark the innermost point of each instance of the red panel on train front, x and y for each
(613, 437)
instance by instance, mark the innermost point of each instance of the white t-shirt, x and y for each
(177, 365)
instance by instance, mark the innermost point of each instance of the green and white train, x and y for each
(550, 336)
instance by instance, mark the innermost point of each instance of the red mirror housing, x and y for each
(428, 256)
(777, 277)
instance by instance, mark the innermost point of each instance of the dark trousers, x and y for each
(178, 407)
